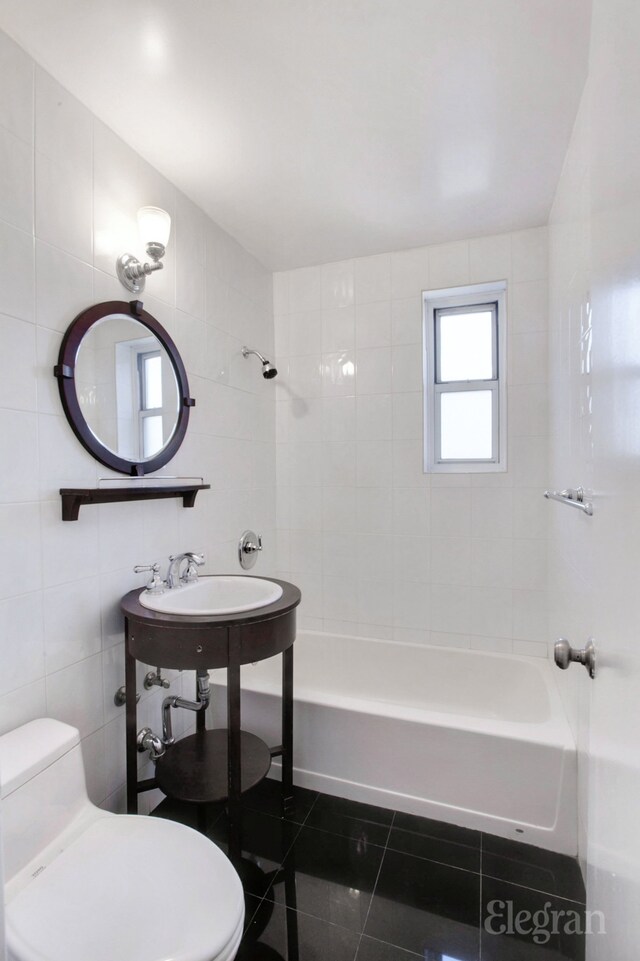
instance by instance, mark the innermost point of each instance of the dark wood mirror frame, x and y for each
(65, 370)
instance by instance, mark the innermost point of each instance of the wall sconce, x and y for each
(155, 226)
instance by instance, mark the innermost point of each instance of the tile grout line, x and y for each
(444, 864)
(315, 801)
(480, 918)
(527, 887)
(374, 844)
(260, 900)
(375, 884)
(286, 855)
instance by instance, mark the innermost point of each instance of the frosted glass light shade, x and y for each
(154, 224)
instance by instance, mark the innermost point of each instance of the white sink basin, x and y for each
(217, 594)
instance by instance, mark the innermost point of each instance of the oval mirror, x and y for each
(123, 387)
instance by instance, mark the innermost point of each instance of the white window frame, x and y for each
(494, 295)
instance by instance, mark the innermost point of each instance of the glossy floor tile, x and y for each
(446, 843)
(331, 876)
(265, 843)
(266, 797)
(524, 925)
(251, 905)
(351, 819)
(337, 880)
(277, 932)
(532, 867)
(372, 950)
(424, 907)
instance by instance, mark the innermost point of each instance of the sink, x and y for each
(215, 594)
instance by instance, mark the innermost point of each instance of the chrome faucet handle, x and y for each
(155, 585)
(195, 557)
(195, 561)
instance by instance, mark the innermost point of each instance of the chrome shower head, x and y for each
(268, 370)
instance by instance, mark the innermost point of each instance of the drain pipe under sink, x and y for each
(204, 695)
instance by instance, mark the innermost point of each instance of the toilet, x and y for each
(82, 884)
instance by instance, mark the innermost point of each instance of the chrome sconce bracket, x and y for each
(132, 274)
(155, 227)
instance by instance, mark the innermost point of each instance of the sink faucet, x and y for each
(174, 578)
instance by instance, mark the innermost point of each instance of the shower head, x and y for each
(268, 370)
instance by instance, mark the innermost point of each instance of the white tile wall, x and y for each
(61, 642)
(379, 547)
(572, 580)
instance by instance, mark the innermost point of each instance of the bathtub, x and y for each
(474, 739)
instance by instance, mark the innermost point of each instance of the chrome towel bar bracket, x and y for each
(573, 498)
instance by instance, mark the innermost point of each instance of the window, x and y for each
(464, 379)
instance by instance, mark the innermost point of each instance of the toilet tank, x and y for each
(43, 788)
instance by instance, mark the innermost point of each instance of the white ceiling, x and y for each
(315, 130)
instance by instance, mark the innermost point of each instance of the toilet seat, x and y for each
(129, 888)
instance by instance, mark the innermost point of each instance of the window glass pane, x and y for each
(152, 367)
(152, 435)
(466, 425)
(466, 346)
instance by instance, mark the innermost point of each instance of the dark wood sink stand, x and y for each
(207, 766)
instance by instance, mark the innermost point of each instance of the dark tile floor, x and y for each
(343, 881)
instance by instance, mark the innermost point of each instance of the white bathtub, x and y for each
(479, 740)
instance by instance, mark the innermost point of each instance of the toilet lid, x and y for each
(129, 889)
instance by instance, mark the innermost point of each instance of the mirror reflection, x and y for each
(127, 388)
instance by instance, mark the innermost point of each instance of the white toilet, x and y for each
(82, 884)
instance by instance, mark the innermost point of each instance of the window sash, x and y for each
(467, 386)
(478, 308)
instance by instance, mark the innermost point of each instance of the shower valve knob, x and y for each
(564, 655)
(248, 548)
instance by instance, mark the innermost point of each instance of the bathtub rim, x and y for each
(552, 732)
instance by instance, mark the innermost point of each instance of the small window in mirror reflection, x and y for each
(152, 381)
(152, 440)
(151, 421)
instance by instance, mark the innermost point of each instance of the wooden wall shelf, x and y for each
(73, 498)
